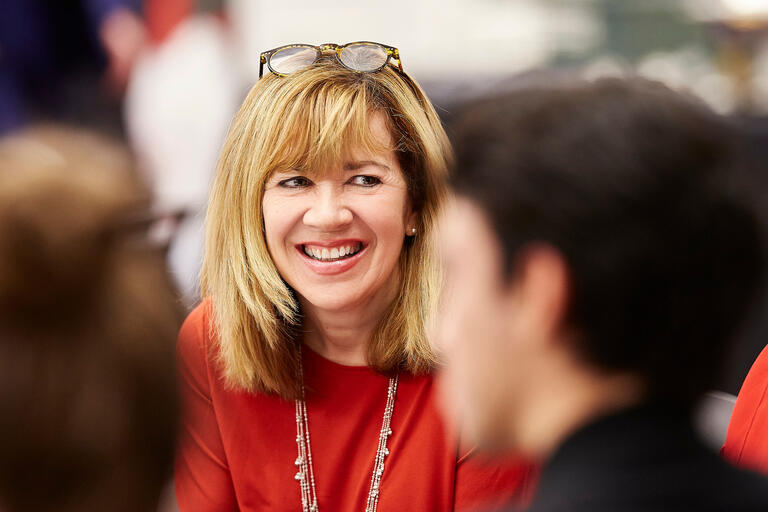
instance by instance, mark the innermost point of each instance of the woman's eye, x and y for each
(295, 182)
(365, 181)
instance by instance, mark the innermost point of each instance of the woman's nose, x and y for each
(328, 212)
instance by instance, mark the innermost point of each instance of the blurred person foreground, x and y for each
(615, 252)
(88, 319)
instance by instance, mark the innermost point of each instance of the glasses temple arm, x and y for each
(262, 61)
(395, 54)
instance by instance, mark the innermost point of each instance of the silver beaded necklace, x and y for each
(306, 474)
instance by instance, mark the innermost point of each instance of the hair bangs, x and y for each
(323, 125)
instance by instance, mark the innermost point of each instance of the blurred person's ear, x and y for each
(538, 293)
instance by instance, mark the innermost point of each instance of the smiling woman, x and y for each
(320, 273)
(320, 124)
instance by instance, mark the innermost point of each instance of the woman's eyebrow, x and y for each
(358, 164)
(283, 173)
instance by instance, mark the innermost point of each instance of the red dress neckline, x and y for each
(324, 365)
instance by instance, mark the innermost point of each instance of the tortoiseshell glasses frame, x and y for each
(392, 54)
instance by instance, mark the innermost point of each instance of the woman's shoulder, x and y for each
(194, 344)
(747, 441)
(197, 317)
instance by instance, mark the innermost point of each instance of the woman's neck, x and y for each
(343, 336)
(338, 341)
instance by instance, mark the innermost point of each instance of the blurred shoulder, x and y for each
(194, 341)
(746, 444)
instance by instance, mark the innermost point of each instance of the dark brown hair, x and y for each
(638, 187)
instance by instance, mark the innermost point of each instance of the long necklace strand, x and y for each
(306, 473)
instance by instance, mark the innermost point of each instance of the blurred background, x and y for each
(166, 76)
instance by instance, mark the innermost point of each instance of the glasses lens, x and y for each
(363, 57)
(294, 58)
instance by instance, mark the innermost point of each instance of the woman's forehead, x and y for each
(379, 126)
(359, 143)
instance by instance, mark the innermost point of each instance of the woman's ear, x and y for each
(411, 226)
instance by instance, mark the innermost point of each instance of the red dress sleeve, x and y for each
(746, 443)
(492, 483)
(202, 478)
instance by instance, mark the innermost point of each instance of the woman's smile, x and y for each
(332, 257)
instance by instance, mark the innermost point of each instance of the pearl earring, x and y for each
(413, 231)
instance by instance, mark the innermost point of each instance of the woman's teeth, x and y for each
(336, 253)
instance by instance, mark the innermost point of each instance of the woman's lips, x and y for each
(328, 268)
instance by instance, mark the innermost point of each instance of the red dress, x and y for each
(747, 441)
(238, 449)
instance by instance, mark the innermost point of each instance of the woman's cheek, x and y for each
(279, 216)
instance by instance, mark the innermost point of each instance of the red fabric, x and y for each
(746, 443)
(238, 449)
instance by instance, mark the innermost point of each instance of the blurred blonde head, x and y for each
(308, 120)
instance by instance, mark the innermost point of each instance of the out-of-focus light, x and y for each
(743, 11)
(747, 8)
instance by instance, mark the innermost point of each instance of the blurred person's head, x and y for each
(598, 255)
(88, 321)
(325, 159)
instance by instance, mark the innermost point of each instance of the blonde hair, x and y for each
(305, 120)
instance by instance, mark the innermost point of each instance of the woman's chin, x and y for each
(329, 300)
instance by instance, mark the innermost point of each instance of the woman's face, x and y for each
(336, 238)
